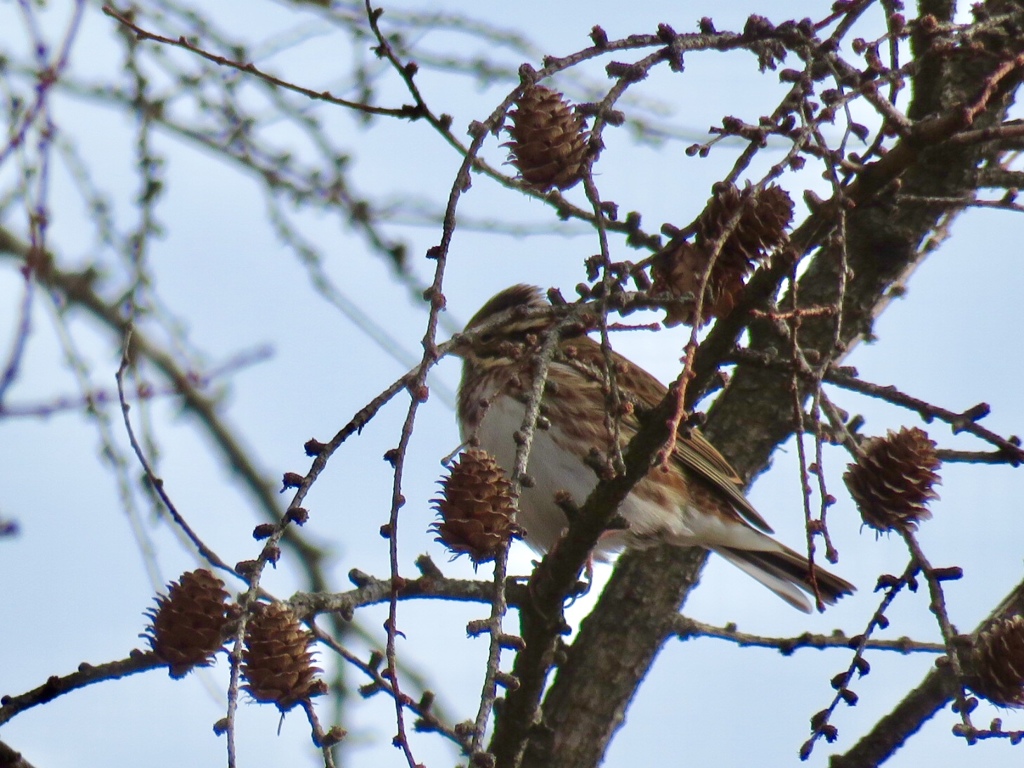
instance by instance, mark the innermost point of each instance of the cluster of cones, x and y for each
(190, 624)
(738, 229)
(891, 481)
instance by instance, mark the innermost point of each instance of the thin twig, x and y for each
(937, 604)
(687, 628)
(156, 483)
(252, 69)
(87, 674)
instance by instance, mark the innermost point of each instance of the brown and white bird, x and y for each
(698, 502)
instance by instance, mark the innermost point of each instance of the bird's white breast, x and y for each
(555, 464)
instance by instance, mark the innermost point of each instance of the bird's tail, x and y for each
(788, 575)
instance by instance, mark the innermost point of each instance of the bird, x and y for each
(699, 501)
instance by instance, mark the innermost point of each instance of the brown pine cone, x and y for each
(998, 663)
(549, 140)
(760, 228)
(892, 480)
(277, 662)
(189, 624)
(475, 507)
(679, 273)
(764, 218)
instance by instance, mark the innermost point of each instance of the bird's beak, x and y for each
(460, 345)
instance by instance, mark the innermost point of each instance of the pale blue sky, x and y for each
(73, 586)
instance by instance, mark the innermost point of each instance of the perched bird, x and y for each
(699, 501)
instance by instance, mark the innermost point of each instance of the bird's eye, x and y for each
(486, 337)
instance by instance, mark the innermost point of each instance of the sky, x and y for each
(75, 582)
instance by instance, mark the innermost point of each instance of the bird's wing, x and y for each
(696, 453)
(693, 451)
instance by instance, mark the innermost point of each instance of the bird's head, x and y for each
(513, 316)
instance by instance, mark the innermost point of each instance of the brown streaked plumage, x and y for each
(698, 502)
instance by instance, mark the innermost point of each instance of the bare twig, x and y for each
(87, 674)
(687, 628)
(252, 69)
